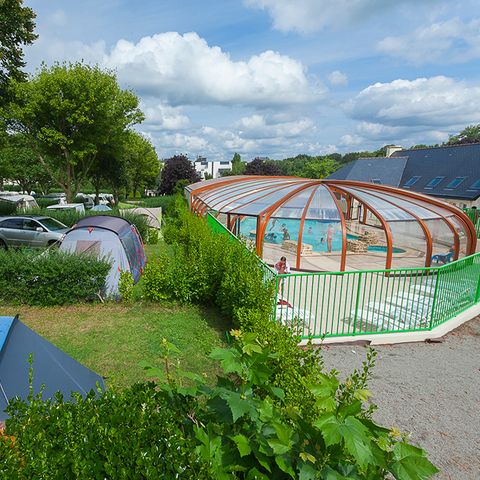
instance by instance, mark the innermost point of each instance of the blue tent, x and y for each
(100, 208)
(51, 367)
(112, 238)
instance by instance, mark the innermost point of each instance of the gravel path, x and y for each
(431, 390)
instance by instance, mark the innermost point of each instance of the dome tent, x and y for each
(52, 368)
(113, 238)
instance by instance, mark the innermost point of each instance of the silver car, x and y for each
(29, 231)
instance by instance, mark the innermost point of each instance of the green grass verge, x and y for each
(112, 339)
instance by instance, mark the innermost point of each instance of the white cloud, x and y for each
(337, 78)
(184, 69)
(452, 41)
(165, 117)
(271, 126)
(312, 15)
(428, 102)
(181, 142)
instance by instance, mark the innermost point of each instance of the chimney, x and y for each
(391, 149)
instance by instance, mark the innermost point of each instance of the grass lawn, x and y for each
(112, 339)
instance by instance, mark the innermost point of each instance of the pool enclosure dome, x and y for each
(336, 225)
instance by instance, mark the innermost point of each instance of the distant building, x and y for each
(214, 168)
(450, 172)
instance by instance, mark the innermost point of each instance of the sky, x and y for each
(278, 78)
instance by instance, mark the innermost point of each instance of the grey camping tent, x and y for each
(51, 367)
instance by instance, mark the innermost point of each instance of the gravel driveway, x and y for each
(431, 390)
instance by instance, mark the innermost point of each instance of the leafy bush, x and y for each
(125, 286)
(163, 201)
(242, 428)
(7, 208)
(46, 202)
(71, 217)
(53, 278)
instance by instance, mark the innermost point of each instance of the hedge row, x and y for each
(50, 278)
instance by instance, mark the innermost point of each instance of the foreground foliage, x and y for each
(242, 428)
(53, 278)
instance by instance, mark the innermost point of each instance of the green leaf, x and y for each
(255, 474)
(285, 465)
(307, 457)
(329, 427)
(229, 360)
(242, 444)
(411, 463)
(277, 446)
(307, 471)
(356, 439)
(362, 394)
(238, 406)
(277, 392)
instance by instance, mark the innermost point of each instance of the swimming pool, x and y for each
(314, 233)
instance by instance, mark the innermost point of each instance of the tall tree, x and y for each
(470, 134)
(17, 24)
(143, 163)
(70, 112)
(259, 166)
(18, 161)
(319, 168)
(179, 167)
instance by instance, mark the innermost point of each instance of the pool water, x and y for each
(314, 233)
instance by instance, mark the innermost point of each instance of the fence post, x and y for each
(477, 293)
(435, 297)
(357, 301)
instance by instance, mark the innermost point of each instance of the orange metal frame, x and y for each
(201, 204)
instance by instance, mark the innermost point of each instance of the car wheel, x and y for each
(3, 245)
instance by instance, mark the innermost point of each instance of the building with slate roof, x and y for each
(451, 172)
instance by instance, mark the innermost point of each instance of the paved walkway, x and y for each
(431, 390)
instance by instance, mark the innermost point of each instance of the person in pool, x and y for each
(310, 230)
(286, 233)
(330, 232)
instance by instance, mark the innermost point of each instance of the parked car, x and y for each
(30, 231)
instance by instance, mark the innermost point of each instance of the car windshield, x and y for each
(52, 224)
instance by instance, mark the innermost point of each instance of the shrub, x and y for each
(125, 286)
(163, 201)
(71, 217)
(242, 428)
(53, 278)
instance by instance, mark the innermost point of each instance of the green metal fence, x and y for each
(333, 304)
(474, 215)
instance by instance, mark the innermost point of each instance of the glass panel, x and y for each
(262, 202)
(434, 182)
(412, 181)
(475, 186)
(322, 206)
(455, 183)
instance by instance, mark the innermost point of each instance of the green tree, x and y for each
(18, 161)
(70, 112)
(17, 24)
(470, 134)
(179, 167)
(319, 168)
(259, 166)
(142, 160)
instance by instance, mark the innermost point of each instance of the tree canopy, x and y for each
(17, 25)
(470, 134)
(260, 166)
(177, 168)
(69, 113)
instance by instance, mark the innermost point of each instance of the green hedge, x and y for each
(70, 217)
(52, 278)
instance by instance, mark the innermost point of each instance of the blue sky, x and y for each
(275, 77)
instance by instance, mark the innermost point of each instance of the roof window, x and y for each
(455, 183)
(377, 181)
(412, 181)
(475, 186)
(433, 183)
